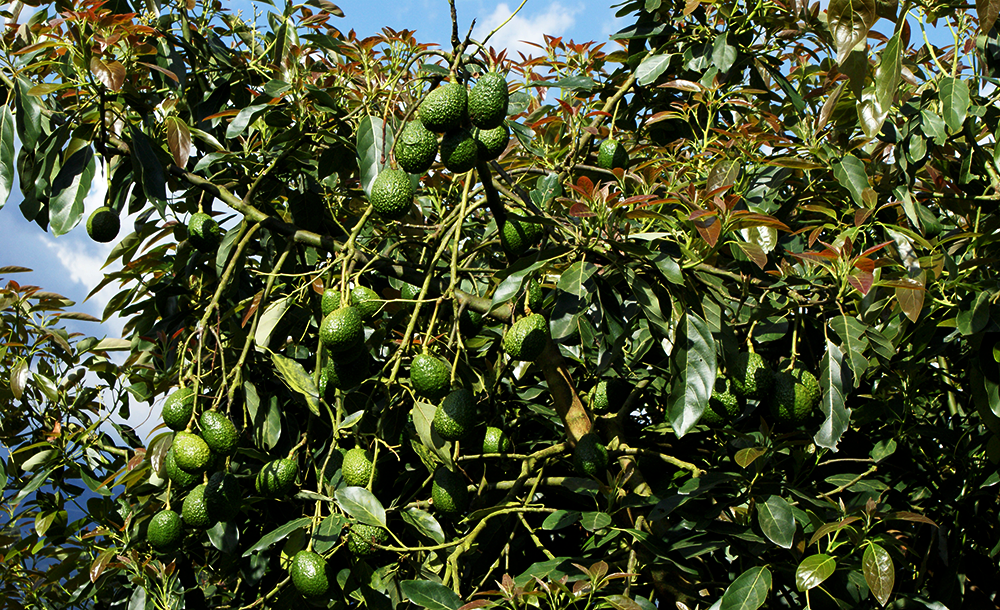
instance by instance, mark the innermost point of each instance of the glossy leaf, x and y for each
(361, 504)
(298, 380)
(7, 155)
(776, 520)
(887, 73)
(813, 570)
(69, 189)
(850, 173)
(954, 95)
(374, 140)
(424, 522)
(748, 591)
(694, 357)
(651, 68)
(277, 534)
(849, 22)
(879, 572)
(834, 386)
(430, 595)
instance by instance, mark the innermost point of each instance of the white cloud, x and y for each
(555, 21)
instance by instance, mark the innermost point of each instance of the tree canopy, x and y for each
(713, 328)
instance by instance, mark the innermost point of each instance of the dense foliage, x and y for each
(786, 181)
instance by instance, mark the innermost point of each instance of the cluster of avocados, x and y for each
(471, 127)
(791, 396)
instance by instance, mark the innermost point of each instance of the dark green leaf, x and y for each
(430, 595)
(361, 504)
(69, 189)
(695, 362)
(887, 73)
(748, 591)
(326, 536)
(225, 536)
(574, 279)
(29, 115)
(422, 414)
(973, 320)
(424, 522)
(526, 137)
(278, 534)
(147, 164)
(7, 156)
(834, 388)
(879, 572)
(243, 119)
(560, 519)
(814, 570)
(777, 521)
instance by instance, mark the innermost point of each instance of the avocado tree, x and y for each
(698, 317)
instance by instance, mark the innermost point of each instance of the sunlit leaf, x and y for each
(813, 570)
(748, 591)
(879, 572)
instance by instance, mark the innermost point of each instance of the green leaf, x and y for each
(695, 362)
(560, 519)
(423, 416)
(269, 320)
(651, 68)
(723, 54)
(326, 536)
(512, 285)
(225, 536)
(954, 95)
(7, 156)
(853, 341)
(813, 571)
(748, 591)
(776, 520)
(879, 572)
(373, 142)
(431, 595)
(424, 522)
(973, 320)
(593, 521)
(574, 279)
(243, 119)
(850, 173)
(834, 386)
(526, 136)
(887, 74)
(278, 534)
(29, 115)
(849, 22)
(298, 380)
(361, 504)
(69, 189)
(146, 164)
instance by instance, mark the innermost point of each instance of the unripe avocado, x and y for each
(496, 441)
(491, 142)
(362, 538)
(723, 406)
(219, 432)
(165, 530)
(330, 301)
(309, 574)
(191, 452)
(358, 468)
(416, 148)
(342, 333)
(612, 155)
(392, 194)
(103, 224)
(277, 478)
(174, 472)
(456, 415)
(366, 301)
(203, 232)
(430, 376)
(488, 101)
(459, 151)
(194, 510)
(527, 338)
(590, 456)
(518, 235)
(751, 376)
(444, 108)
(178, 408)
(449, 492)
(796, 394)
